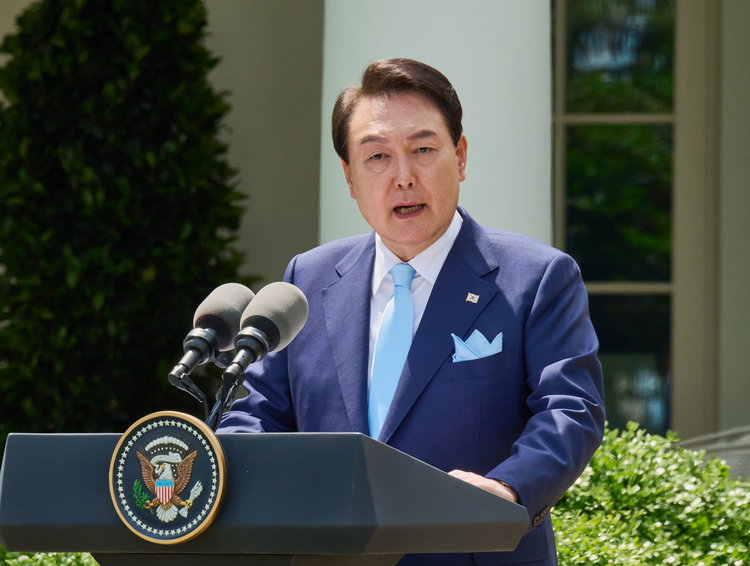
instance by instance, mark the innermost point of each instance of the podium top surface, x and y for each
(287, 493)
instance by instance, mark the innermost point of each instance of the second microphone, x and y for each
(269, 323)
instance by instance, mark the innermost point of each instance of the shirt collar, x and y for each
(427, 263)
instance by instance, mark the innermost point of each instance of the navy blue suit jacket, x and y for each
(531, 415)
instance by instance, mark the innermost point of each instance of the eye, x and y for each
(423, 150)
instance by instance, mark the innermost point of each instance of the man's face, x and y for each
(404, 171)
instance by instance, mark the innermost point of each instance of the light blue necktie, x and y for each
(392, 347)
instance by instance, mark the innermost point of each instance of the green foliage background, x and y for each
(46, 559)
(619, 201)
(642, 500)
(116, 209)
(643, 83)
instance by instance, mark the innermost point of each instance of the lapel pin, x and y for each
(472, 298)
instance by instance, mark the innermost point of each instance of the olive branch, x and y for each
(140, 496)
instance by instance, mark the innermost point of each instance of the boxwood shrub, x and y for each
(46, 559)
(643, 500)
(117, 209)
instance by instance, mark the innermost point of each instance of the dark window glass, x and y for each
(618, 201)
(619, 55)
(633, 336)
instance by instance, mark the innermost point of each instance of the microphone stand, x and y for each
(252, 346)
(224, 396)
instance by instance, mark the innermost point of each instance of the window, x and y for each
(619, 209)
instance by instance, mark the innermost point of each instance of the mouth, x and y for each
(408, 209)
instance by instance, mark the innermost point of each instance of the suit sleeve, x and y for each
(566, 397)
(268, 406)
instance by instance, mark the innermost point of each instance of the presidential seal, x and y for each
(168, 477)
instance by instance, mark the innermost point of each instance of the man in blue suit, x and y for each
(500, 386)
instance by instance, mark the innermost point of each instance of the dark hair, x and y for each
(390, 77)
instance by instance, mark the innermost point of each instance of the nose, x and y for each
(405, 177)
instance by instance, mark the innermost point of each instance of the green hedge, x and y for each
(118, 210)
(642, 500)
(41, 559)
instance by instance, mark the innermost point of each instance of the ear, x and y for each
(348, 175)
(461, 150)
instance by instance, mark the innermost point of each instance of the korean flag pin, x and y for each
(472, 298)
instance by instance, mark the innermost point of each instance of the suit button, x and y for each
(540, 517)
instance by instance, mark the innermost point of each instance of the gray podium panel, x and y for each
(301, 499)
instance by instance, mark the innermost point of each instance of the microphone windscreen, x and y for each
(279, 310)
(222, 311)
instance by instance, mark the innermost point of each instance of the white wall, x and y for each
(497, 55)
(734, 235)
(271, 58)
(9, 11)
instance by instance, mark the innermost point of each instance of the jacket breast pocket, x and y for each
(482, 367)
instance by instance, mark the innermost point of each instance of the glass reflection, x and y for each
(619, 200)
(633, 336)
(619, 55)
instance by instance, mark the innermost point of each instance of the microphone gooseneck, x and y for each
(199, 347)
(216, 322)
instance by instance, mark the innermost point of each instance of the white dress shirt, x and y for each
(427, 264)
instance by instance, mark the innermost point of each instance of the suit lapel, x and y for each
(447, 312)
(346, 304)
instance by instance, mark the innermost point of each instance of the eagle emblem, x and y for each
(166, 466)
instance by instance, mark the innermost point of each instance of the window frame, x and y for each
(694, 286)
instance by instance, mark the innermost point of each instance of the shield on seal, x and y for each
(164, 489)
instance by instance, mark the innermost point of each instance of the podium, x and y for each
(302, 499)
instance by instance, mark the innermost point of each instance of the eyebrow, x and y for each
(370, 139)
(422, 134)
(418, 136)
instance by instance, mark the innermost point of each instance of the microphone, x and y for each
(269, 323)
(215, 325)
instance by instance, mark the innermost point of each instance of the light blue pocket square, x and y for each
(476, 347)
